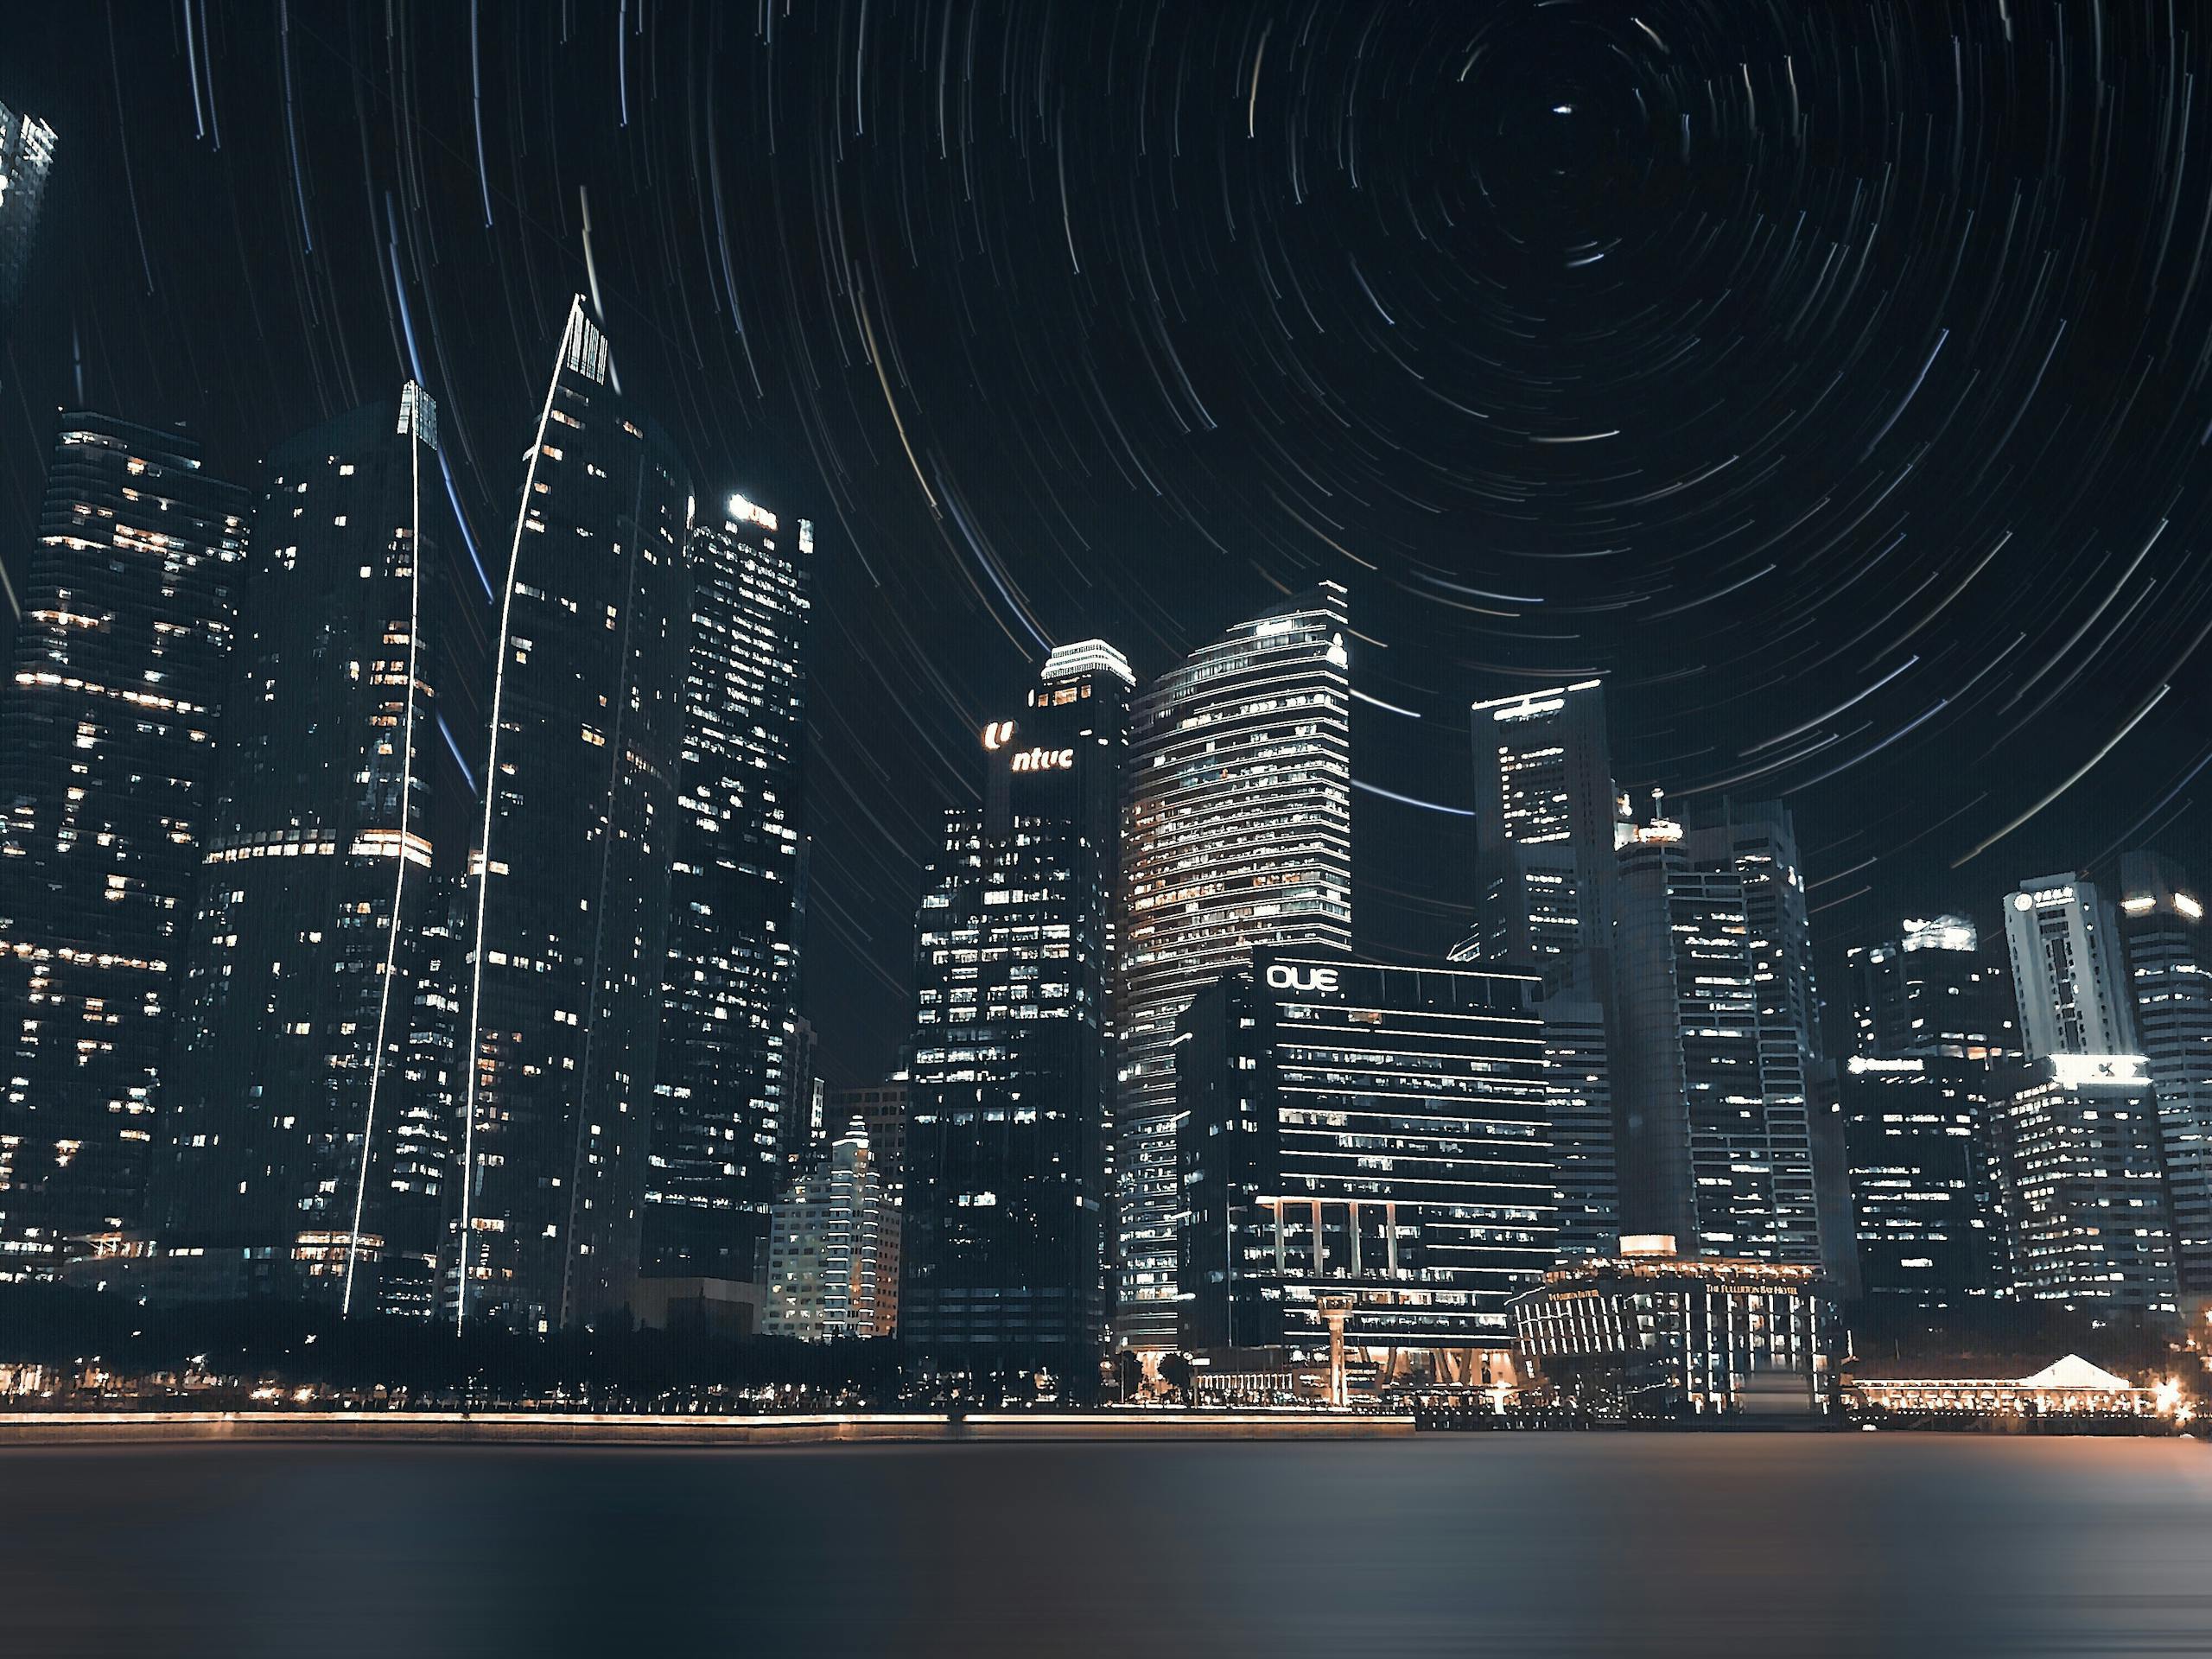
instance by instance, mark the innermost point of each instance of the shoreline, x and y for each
(65, 1428)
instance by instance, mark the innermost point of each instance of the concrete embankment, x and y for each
(573, 1428)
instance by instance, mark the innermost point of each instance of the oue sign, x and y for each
(997, 734)
(1045, 760)
(1283, 977)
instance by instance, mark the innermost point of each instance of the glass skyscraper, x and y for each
(26, 158)
(1237, 834)
(722, 1135)
(1709, 1051)
(570, 870)
(1010, 1087)
(2068, 971)
(288, 1121)
(2163, 931)
(107, 764)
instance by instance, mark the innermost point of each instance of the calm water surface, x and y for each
(1860, 1545)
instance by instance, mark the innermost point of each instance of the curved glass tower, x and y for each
(1237, 833)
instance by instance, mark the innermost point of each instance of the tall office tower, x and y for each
(571, 863)
(1011, 1085)
(1709, 1065)
(1932, 990)
(1760, 839)
(281, 1115)
(1926, 1215)
(1237, 834)
(1577, 1083)
(2068, 972)
(1376, 1132)
(825, 1231)
(107, 762)
(720, 1129)
(1544, 816)
(26, 158)
(2162, 929)
(2084, 1175)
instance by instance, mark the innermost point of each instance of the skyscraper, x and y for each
(570, 868)
(1544, 816)
(1011, 1083)
(1926, 1212)
(2087, 1215)
(1237, 834)
(107, 759)
(1377, 1133)
(719, 1132)
(287, 1120)
(826, 1231)
(26, 158)
(1931, 990)
(2068, 969)
(2162, 928)
(1709, 1060)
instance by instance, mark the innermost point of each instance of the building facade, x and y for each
(1710, 1051)
(107, 775)
(569, 875)
(2169, 971)
(287, 1095)
(1237, 834)
(1931, 990)
(2069, 974)
(1010, 1086)
(1652, 1333)
(26, 158)
(2082, 1169)
(721, 1134)
(825, 1231)
(1926, 1214)
(1545, 806)
(1381, 1134)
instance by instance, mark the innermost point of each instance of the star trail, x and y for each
(1830, 379)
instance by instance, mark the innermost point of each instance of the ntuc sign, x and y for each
(997, 734)
(1294, 976)
(1045, 760)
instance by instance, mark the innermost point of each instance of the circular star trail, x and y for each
(1831, 380)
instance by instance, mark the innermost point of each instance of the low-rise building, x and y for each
(2071, 1387)
(1650, 1333)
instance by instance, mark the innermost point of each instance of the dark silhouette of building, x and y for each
(570, 870)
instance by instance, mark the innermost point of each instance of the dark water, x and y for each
(1860, 1545)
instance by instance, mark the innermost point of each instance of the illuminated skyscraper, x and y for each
(26, 158)
(2068, 971)
(827, 1232)
(721, 1133)
(107, 764)
(288, 1121)
(1544, 816)
(1709, 1055)
(1932, 991)
(2162, 928)
(571, 865)
(1237, 834)
(1925, 1215)
(2087, 1215)
(1011, 1083)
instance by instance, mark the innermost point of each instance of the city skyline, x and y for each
(940, 567)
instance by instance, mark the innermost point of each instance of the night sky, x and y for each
(1829, 375)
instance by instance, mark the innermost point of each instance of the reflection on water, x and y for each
(1862, 1545)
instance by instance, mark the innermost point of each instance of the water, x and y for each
(1784, 1545)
